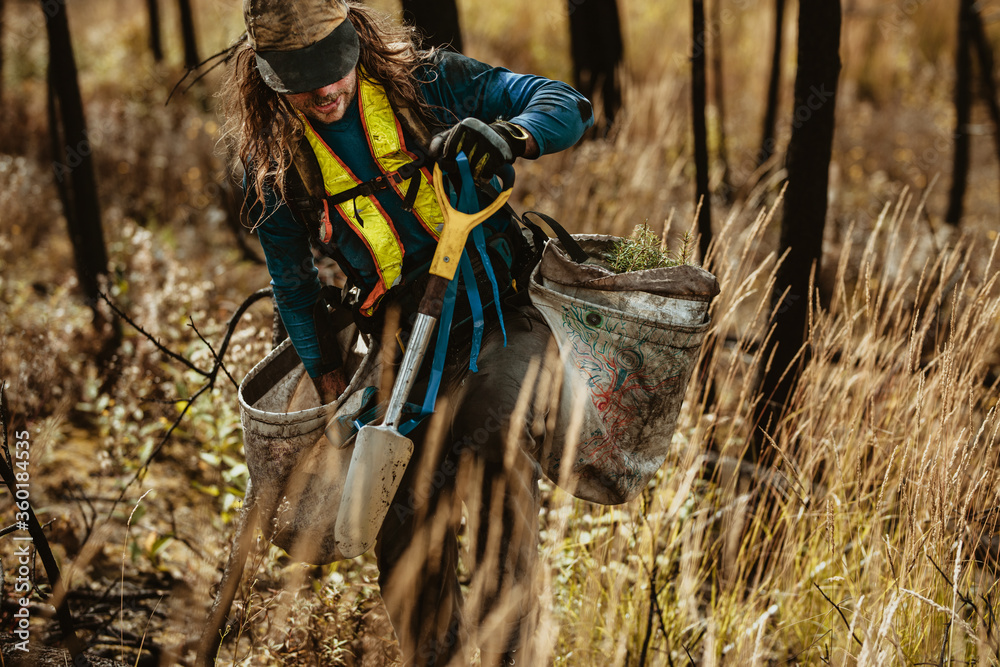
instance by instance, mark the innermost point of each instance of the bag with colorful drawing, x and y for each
(628, 343)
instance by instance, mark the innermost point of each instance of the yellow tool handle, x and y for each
(457, 227)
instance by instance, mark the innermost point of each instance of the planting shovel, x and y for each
(381, 453)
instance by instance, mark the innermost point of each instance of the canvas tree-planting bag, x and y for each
(628, 344)
(296, 472)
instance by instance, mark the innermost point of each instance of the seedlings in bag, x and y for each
(645, 250)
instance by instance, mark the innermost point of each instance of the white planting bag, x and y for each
(628, 344)
(296, 473)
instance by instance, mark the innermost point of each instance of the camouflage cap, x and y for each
(301, 45)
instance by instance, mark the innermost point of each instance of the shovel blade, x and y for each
(377, 466)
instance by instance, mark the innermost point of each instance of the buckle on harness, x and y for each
(381, 182)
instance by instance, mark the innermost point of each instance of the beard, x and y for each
(329, 99)
(326, 105)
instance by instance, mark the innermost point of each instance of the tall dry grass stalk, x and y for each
(872, 539)
(871, 542)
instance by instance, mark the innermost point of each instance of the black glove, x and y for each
(488, 147)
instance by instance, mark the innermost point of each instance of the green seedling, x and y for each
(646, 250)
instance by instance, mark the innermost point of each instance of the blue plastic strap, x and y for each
(440, 348)
(480, 240)
(468, 202)
(409, 425)
(475, 306)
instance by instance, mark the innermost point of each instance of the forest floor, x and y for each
(140, 520)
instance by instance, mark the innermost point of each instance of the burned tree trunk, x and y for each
(984, 53)
(71, 154)
(698, 87)
(963, 112)
(2, 12)
(718, 95)
(596, 46)
(191, 58)
(804, 215)
(767, 140)
(155, 43)
(437, 21)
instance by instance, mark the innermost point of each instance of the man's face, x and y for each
(327, 104)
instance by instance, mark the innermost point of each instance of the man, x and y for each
(337, 118)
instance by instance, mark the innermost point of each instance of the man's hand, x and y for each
(330, 385)
(488, 147)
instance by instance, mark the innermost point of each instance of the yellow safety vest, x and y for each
(388, 147)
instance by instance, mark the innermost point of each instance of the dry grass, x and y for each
(873, 541)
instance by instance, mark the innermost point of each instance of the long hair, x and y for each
(261, 129)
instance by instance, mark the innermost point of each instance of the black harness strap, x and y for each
(411, 193)
(568, 242)
(331, 317)
(310, 176)
(366, 189)
(309, 211)
(383, 181)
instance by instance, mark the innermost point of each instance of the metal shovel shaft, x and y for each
(412, 358)
(381, 453)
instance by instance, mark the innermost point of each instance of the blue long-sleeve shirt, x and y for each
(455, 87)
